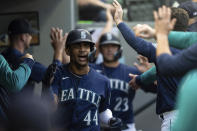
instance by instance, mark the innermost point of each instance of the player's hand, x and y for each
(58, 40)
(118, 12)
(144, 31)
(28, 56)
(143, 65)
(163, 22)
(110, 8)
(132, 82)
(115, 123)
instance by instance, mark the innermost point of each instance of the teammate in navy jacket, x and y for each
(167, 86)
(82, 94)
(19, 31)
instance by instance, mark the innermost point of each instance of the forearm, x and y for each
(146, 86)
(65, 58)
(108, 27)
(58, 55)
(182, 40)
(162, 45)
(149, 76)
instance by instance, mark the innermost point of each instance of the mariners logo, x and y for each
(83, 35)
(109, 36)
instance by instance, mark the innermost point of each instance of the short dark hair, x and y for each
(182, 19)
(20, 26)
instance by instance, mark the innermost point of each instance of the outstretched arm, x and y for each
(180, 63)
(151, 87)
(177, 39)
(141, 46)
(15, 80)
(107, 28)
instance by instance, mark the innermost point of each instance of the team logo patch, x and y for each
(109, 36)
(83, 35)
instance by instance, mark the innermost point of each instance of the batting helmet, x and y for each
(109, 38)
(79, 35)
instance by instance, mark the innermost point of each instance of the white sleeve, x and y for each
(105, 116)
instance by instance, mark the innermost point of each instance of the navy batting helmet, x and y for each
(109, 38)
(78, 36)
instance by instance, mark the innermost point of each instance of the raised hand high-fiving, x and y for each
(118, 14)
(58, 41)
(163, 22)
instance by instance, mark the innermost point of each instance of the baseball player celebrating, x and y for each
(82, 94)
(121, 95)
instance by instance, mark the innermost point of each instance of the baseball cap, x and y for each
(190, 7)
(20, 26)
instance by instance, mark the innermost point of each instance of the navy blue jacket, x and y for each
(180, 63)
(80, 99)
(167, 86)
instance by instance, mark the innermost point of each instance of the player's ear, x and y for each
(22, 37)
(67, 51)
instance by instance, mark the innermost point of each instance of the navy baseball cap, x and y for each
(20, 26)
(190, 7)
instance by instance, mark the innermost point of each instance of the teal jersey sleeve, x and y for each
(186, 104)
(182, 40)
(149, 76)
(13, 80)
